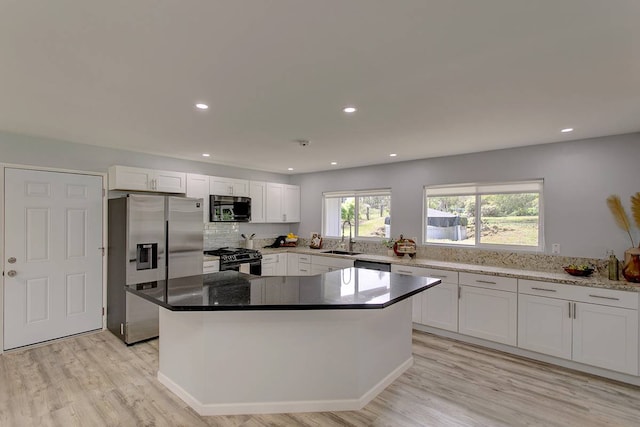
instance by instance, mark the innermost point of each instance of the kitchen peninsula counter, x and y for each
(232, 343)
(351, 288)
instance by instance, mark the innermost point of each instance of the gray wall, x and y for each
(578, 177)
(35, 151)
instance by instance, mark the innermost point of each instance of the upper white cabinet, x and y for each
(140, 179)
(282, 203)
(258, 192)
(198, 187)
(220, 186)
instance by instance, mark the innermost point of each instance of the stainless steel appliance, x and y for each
(239, 259)
(152, 238)
(229, 209)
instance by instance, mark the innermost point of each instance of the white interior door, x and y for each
(53, 256)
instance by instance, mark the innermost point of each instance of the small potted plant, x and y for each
(388, 243)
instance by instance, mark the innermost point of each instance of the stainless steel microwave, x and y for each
(229, 209)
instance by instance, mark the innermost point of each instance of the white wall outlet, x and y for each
(555, 248)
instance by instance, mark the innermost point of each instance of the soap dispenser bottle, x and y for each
(614, 273)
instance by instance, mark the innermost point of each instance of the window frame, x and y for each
(478, 190)
(355, 194)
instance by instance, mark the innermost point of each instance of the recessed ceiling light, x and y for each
(289, 169)
(334, 163)
(206, 154)
(392, 155)
(202, 106)
(565, 130)
(349, 109)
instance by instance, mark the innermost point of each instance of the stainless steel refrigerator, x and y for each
(152, 238)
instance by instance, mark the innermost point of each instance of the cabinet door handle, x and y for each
(544, 289)
(574, 310)
(459, 292)
(437, 276)
(487, 282)
(569, 309)
(404, 272)
(599, 296)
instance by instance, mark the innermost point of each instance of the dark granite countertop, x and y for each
(351, 288)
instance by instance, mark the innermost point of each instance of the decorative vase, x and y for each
(631, 269)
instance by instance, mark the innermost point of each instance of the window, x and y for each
(510, 215)
(369, 213)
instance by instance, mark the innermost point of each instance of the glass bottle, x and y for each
(614, 273)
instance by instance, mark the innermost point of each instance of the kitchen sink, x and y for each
(336, 252)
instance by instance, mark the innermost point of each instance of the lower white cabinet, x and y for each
(210, 267)
(606, 337)
(324, 264)
(437, 306)
(298, 264)
(488, 314)
(544, 325)
(274, 265)
(597, 327)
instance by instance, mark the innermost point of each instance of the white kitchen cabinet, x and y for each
(274, 265)
(437, 306)
(291, 203)
(210, 266)
(324, 264)
(488, 313)
(141, 179)
(198, 187)
(221, 186)
(544, 325)
(606, 337)
(282, 203)
(597, 327)
(258, 192)
(298, 264)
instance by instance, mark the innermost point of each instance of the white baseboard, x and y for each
(207, 409)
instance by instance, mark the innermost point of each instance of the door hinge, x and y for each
(102, 249)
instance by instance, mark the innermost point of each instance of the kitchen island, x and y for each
(232, 343)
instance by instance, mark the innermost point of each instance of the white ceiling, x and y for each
(430, 77)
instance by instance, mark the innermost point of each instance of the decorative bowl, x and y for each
(579, 270)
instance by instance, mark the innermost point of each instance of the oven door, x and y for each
(253, 267)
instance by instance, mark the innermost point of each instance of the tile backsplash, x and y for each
(218, 235)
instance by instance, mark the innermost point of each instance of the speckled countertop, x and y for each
(559, 277)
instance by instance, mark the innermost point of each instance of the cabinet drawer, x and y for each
(210, 267)
(407, 269)
(509, 284)
(445, 276)
(337, 263)
(270, 258)
(608, 297)
(304, 259)
(543, 289)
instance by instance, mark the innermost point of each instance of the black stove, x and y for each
(235, 256)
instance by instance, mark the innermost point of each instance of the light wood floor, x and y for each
(95, 380)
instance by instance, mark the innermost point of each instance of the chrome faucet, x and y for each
(349, 246)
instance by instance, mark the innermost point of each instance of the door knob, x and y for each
(12, 260)
(11, 273)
